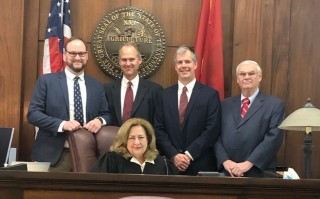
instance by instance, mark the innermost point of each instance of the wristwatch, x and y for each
(100, 119)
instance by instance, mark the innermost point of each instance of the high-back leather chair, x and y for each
(86, 148)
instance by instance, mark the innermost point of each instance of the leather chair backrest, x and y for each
(86, 148)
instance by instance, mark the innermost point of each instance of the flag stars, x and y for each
(58, 4)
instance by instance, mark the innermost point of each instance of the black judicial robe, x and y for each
(112, 162)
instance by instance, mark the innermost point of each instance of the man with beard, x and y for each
(187, 121)
(53, 109)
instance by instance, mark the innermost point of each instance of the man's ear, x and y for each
(64, 56)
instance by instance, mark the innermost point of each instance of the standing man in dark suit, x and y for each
(250, 137)
(144, 92)
(52, 107)
(188, 117)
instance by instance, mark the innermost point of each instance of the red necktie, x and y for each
(128, 103)
(183, 104)
(245, 107)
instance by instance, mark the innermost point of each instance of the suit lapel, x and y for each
(117, 99)
(193, 98)
(89, 91)
(236, 108)
(142, 89)
(64, 87)
(256, 105)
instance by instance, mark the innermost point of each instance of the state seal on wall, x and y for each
(123, 25)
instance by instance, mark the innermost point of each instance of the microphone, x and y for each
(165, 162)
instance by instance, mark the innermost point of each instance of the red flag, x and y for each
(209, 46)
(57, 32)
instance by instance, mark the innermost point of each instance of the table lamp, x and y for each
(304, 119)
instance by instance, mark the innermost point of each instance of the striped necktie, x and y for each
(245, 107)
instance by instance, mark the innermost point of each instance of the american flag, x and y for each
(57, 32)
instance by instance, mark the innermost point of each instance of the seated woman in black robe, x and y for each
(134, 151)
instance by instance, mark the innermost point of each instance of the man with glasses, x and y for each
(63, 102)
(250, 138)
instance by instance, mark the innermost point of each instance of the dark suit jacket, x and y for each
(49, 106)
(256, 137)
(144, 103)
(199, 132)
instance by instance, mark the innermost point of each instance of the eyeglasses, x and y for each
(74, 54)
(250, 74)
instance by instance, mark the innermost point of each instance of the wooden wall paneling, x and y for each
(227, 7)
(11, 42)
(29, 74)
(247, 34)
(166, 74)
(179, 18)
(280, 60)
(266, 37)
(303, 75)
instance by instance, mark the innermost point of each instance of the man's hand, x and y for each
(93, 126)
(71, 125)
(229, 165)
(240, 168)
(181, 161)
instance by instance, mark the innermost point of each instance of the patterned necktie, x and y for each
(78, 110)
(128, 103)
(183, 104)
(245, 107)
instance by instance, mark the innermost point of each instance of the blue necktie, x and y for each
(78, 110)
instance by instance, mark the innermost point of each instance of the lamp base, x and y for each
(307, 154)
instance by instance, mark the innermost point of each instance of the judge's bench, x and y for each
(49, 185)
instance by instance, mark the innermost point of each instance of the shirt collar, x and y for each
(252, 97)
(134, 81)
(135, 160)
(189, 86)
(71, 76)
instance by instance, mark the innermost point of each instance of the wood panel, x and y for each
(227, 7)
(11, 42)
(113, 186)
(179, 18)
(303, 75)
(29, 74)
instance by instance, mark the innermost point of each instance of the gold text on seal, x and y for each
(128, 24)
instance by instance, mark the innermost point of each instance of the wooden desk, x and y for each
(33, 185)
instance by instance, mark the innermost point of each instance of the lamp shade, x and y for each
(299, 120)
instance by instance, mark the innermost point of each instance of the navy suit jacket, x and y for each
(144, 103)
(49, 106)
(255, 138)
(199, 131)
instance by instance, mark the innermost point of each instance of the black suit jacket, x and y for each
(200, 129)
(49, 106)
(144, 103)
